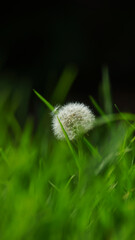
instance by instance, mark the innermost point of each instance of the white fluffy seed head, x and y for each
(76, 118)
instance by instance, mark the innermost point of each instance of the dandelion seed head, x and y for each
(76, 118)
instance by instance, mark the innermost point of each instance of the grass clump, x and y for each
(42, 193)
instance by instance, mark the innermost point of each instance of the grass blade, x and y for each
(124, 117)
(54, 186)
(44, 100)
(69, 144)
(64, 84)
(97, 107)
(69, 181)
(106, 91)
(99, 110)
(92, 149)
(67, 138)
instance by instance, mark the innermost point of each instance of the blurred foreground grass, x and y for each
(41, 195)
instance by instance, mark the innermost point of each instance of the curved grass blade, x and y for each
(44, 100)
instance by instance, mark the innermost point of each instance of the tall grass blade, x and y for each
(64, 84)
(106, 91)
(44, 100)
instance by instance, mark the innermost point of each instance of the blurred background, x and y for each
(43, 45)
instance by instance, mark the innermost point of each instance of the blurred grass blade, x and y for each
(99, 110)
(133, 139)
(124, 117)
(106, 91)
(113, 118)
(2, 154)
(64, 84)
(92, 149)
(67, 138)
(54, 186)
(69, 181)
(44, 100)
(97, 107)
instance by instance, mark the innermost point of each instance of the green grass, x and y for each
(43, 192)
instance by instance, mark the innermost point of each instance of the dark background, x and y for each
(38, 42)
